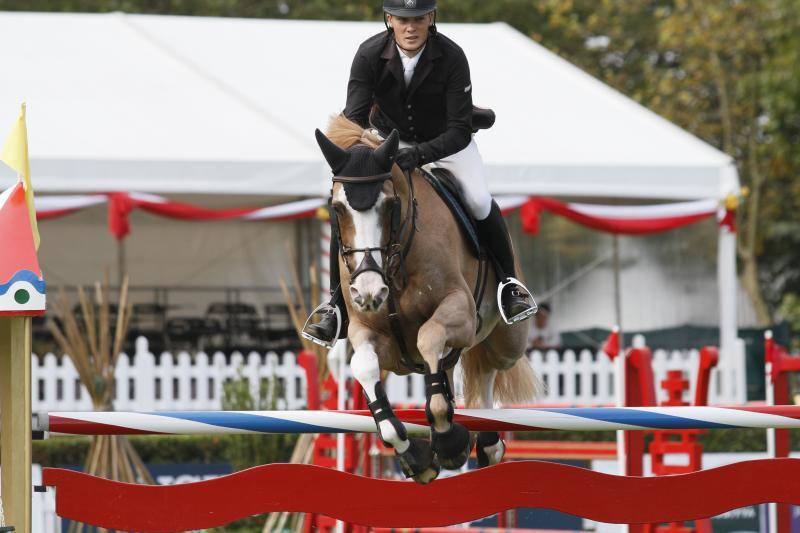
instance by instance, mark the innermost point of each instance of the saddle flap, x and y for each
(449, 190)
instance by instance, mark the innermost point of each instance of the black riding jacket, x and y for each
(434, 112)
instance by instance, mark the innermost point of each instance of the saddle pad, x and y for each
(447, 188)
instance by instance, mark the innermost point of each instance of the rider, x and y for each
(414, 79)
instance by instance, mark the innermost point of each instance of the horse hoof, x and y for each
(427, 476)
(452, 447)
(418, 462)
(489, 448)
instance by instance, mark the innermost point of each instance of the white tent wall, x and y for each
(162, 252)
(667, 279)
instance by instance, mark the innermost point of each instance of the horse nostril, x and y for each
(378, 300)
(357, 298)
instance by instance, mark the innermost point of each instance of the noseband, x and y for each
(397, 245)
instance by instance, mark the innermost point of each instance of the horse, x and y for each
(406, 272)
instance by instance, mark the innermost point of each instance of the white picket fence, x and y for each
(194, 381)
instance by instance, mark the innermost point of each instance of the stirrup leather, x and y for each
(521, 316)
(316, 311)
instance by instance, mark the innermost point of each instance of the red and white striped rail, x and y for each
(532, 419)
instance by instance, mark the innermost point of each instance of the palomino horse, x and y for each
(407, 274)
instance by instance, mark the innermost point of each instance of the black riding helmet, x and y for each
(409, 8)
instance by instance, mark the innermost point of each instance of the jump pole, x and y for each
(529, 419)
(463, 498)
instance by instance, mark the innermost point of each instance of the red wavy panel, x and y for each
(371, 502)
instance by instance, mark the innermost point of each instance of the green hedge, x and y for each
(60, 451)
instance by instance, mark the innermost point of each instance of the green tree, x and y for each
(725, 70)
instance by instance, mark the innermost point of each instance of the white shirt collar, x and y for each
(409, 63)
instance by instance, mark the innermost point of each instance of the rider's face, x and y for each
(411, 32)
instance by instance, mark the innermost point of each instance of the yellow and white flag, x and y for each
(15, 155)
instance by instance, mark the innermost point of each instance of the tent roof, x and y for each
(220, 105)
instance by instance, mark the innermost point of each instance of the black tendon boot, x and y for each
(514, 299)
(333, 322)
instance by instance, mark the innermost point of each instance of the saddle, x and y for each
(449, 190)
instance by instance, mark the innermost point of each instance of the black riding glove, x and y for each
(407, 158)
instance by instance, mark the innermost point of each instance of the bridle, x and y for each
(398, 243)
(394, 253)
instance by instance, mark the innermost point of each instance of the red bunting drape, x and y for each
(627, 220)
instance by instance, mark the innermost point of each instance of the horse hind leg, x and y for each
(489, 447)
(415, 456)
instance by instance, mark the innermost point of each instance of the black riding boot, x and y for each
(515, 299)
(334, 312)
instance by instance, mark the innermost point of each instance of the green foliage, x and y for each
(61, 451)
(153, 449)
(716, 441)
(790, 310)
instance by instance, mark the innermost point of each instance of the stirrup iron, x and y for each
(532, 310)
(337, 313)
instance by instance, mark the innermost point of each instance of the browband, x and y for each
(363, 179)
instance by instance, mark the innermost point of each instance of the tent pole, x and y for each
(617, 287)
(732, 357)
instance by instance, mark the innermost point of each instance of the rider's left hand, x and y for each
(407, 158)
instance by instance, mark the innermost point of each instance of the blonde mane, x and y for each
(345, 133)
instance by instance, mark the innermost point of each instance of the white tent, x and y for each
(221, 105)
(197, 106)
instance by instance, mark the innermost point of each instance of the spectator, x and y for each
(543, 335)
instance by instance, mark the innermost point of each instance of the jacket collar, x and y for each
(393, 63)
(424, 66)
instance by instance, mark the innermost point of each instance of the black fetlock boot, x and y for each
(514, 299)
(452, 447)
(333, 322)
(417, 461)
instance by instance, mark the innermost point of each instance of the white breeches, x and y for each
(467, 167)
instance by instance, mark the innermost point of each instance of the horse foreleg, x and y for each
(452, 325)
(415, 455)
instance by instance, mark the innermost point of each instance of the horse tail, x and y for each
(517, 384)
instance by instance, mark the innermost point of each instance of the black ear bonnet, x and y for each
(360, 169)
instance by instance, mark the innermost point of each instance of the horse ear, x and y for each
(384, 154)
(335, 156)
